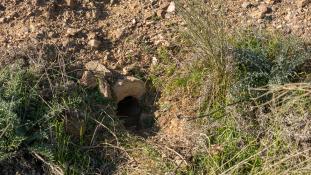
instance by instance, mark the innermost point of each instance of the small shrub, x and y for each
(264, 59)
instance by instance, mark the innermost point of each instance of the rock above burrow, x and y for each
(98, 69)
(129, 86)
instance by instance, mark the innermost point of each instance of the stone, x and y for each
(262, 11)
(94, 43)
(67, 42)
(303, 3)
(129, 87)
(104, 88)
(119, 33)
(72, 32)
(148, 15)
(91, 35)
(247, 5)
(134, 21)
(171, 8)
(32, 28)
(88, 14)
(52, 34)
(98, 69)
(264, 8)
(71, 3)
(161, 13)
(3, 20)
(129, 69)
(88, 80)
(154, 61)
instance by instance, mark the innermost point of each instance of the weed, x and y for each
(267, 59)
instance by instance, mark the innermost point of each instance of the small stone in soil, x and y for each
(171, 8)
(104, 88)
(88, 80)
(247, 5)
(94, 43)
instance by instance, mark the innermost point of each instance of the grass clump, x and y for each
(20, 108)
(253, 91)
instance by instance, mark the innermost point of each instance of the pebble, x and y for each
(104, 88)
(154, 61)
(3, 20)
(91, 35)
(52, 34)
(71, 3)
(32, 28)
(148, 15)
(128, 69)
(119, 33)
(94, 43)
(88, 80)
(98, 68)
(263, 9)
(161, 13)
(134, 21)
(171, 8)
(71, 32)
(247, 5)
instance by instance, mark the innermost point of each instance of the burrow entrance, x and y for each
(130, 111)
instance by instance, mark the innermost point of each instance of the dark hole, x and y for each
(129, 111)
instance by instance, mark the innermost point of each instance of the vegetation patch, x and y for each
(46, 116)
(252, 87)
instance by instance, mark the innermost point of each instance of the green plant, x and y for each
(20, 109)
(264, 59)
(254, 86)
(35, 107)
(206, 31)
